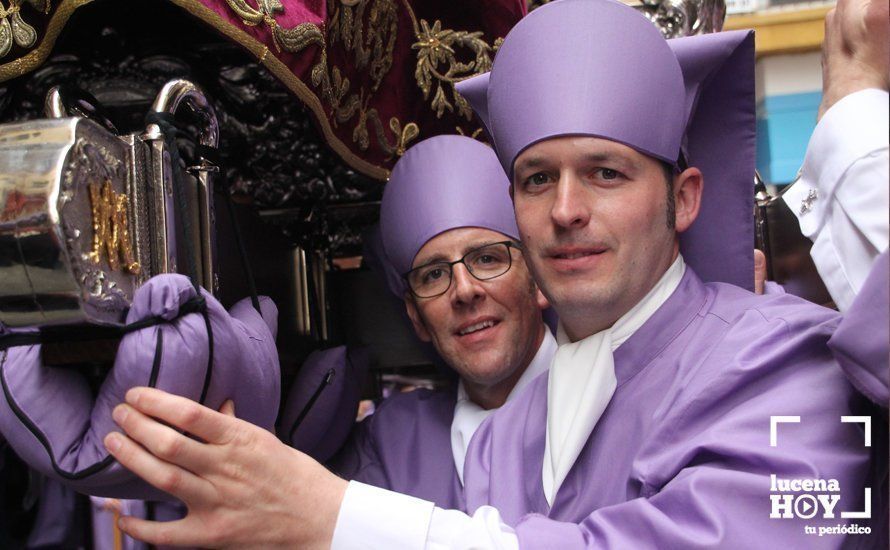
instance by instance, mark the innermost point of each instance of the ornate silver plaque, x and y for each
(87, 216)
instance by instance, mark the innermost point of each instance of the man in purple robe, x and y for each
(450, 245)
(665, 419)
(679, 412)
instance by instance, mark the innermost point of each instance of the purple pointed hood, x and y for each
(600, 68)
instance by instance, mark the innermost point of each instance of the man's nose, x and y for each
(570, 207)
(466, 289)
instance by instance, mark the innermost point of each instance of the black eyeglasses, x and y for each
(483, 263)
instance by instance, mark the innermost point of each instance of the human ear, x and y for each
(688, 186)
(540, 299)
(416, 320)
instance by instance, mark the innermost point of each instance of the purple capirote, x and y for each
(54, 423)
(599, 68)
(442, 183)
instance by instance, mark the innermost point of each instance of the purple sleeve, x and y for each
(861, 343)
(359, 460)
(56, 522)
(706, 477)
(772, 287)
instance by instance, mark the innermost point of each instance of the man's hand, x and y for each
(242, 486)
(856, 51)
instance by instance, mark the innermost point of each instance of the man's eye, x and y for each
(486, 259)
(433, 275)
(609, 174)
(537, 179)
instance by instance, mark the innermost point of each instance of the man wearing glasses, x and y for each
(660, 422)
(450, 239)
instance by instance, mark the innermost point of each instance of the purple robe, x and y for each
(681, 457)
(405, 446)
(861, 343)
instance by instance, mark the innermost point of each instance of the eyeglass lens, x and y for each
(483, 263)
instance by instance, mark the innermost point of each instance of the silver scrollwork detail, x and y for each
(675, 18)
(684, 17)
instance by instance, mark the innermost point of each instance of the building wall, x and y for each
(788, 36)
(788, 95)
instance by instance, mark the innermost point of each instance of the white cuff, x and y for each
(484, 530)
(854, 127)
(376, 518)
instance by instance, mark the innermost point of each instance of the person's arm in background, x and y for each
(842, 198)
(861, 344)
(845, 176)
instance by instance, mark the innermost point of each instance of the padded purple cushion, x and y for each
(49, 415)
(328, 422)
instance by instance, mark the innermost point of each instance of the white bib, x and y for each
(582, 380)
(468, 416)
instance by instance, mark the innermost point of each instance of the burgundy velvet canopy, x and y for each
(378, 75)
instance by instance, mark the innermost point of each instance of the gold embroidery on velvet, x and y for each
(373, 50)
(438, 66)
(372, 47)
(476, 134)
(405, 135)
(347, 105)
(347, 26)
(31, 60)
(14, 29)
(292, 39)
(285, 74)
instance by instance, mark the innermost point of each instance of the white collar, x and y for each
(582, 380)
(468, 416)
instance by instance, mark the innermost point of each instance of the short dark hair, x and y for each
(671, 204)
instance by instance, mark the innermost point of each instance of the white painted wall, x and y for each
(788, 74)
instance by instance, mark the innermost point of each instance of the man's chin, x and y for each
(486, 379)
(580, 297)
(486, 370)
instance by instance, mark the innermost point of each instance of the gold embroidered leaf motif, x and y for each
(5, 35)
(440, 103)
(292, 39)
(360, 132)
(424, 79)
(296, 38)
(347, 22)
(368, 29)
(319, 73)
(23, 33)
(437, 47)
(271, 6)
(475, 135)
(346, 110)
(461, 103)
(246, 12)
(405, 135)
